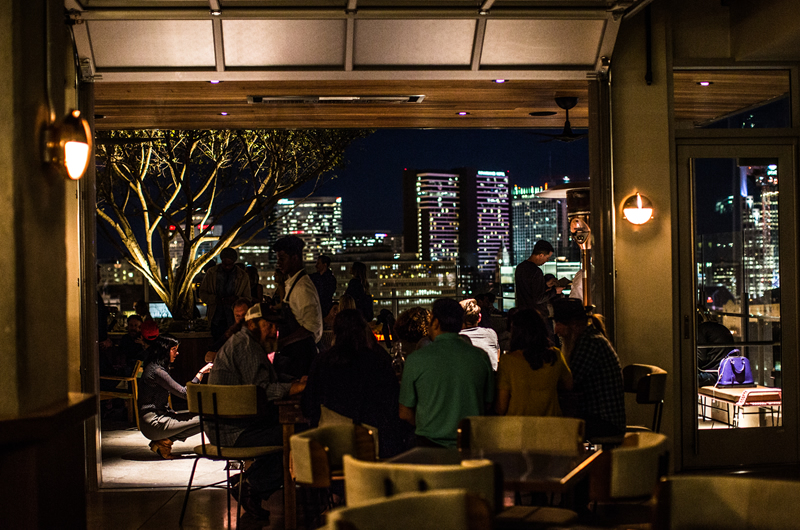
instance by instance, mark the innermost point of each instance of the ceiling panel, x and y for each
(285, 43)
(152, 43)
(542, 42)
(414, 42)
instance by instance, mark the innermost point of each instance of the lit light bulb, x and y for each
(637, 209)
(76, 155)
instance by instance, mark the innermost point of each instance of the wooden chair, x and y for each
(131, 396)
(215, 403)
(727, 503)
(454, 509)
(364, 482)
(317, 453)
(563, 436)
(624, 479)
(649, 383)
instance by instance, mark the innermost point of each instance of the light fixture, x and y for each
(214, 81)
(68, 145)
(637, 209)
(214, 8)
(705, 83)
(223, 113)
(500, 81)
(463, 113)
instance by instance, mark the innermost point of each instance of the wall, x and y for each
(641, 151)
(32, 283)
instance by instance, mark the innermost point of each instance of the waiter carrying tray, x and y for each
(301, 329)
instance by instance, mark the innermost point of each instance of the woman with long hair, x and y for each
(355, 379)
(157, 421)
(358, 288)
(256, 289)
(529, 376)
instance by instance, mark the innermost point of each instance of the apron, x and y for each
(293, 360)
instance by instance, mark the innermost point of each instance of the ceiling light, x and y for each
(68, 145)
(705, 83)
(223, 113)
(216, 12)
(540, 113)
(463, 113)
(500, 81)
(637, 209)
(214, 81)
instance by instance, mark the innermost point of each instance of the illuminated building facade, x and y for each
(431, 202)
(535, 219)
(315, 220)
(460, 215)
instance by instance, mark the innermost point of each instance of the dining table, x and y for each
(523, 471)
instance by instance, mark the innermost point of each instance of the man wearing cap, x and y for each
(531, 290)
(301, 329)
(222, 285)
(596, 372)
(243, 360)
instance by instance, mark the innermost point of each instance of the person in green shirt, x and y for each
(445, 381)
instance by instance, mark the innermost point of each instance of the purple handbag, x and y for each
(734, 370)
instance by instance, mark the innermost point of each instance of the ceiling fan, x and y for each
(566, 135)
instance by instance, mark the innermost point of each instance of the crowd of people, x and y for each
(556, 360)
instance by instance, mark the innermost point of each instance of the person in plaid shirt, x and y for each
(596, 371)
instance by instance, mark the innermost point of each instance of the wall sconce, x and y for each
(68, 145)
(637, 209)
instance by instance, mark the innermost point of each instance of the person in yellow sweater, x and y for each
(528, 378)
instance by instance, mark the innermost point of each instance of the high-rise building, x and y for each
(431, 202)
(315, 220)
(534, 219)
(459, 215)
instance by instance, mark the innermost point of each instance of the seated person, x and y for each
(157, 420)
(411, 329)
(596, 372)
(355, 379)
(708, 359)
(243, 360)
(483, 338)
(240, 308)
(528, 378)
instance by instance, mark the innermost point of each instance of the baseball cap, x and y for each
(149, 330)
(262, 311)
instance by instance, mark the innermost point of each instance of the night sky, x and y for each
(371, 184)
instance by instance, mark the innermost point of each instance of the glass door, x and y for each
(738, 262)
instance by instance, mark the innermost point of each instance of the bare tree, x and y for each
(157, 186)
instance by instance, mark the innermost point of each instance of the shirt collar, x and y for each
(289, 281)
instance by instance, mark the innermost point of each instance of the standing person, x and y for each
(240, 308)
(222, 285)
(256, 289)
(445, 381)
(358, 288)
(531, 290)
(529, 376)
(157, 420)
(142, 309)
(301, 329)
(596, 372)
(243, 360)
(325, 282)
(486, 303)
(483, 338)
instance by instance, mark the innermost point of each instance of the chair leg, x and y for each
(188, 490)
(239, 504)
